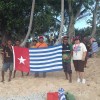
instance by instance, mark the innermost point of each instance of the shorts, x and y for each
(6, 66)
(79, 65)
(67, 67)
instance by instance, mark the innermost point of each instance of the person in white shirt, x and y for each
(79, 54)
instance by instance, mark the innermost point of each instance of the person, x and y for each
(33, 44)
(95, 48)
(41, 44)
(88, 47)
(7, 55)
(17, 43)
(67, 53)
(51, 40)
(79, 54)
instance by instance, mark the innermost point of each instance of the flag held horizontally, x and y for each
(38, 59)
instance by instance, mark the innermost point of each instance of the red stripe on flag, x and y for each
(21, 59)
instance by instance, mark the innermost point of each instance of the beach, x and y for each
(31, 88)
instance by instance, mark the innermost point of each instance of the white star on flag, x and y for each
(21, 59)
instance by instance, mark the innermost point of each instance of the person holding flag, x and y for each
(7, 57)
(34, 46)
(41, 44)
(66, 55)
(17, 43)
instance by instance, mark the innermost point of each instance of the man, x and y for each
(41, 44)
(79, 54)
(17, 43)
(67, 53)
(7, 55)
(33, 45)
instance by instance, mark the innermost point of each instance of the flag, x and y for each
(38, 59)
(61, 93)
(52, 96)
(21, 59)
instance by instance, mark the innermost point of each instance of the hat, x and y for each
(65, 37)
(41, 37)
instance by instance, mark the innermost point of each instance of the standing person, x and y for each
(34, 46)
(67, 53)
(7, 55)
(17, 43)
(88, 47)
(79, 54)
(95, 48)
(41, 44)
(51, 40)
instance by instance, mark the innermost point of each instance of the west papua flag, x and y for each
(38, 59)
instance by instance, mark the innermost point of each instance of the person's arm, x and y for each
(84, 55)
(84, 52)
(2, 53)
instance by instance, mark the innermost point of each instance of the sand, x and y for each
(28, 85)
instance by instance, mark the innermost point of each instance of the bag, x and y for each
(69, 96)
(52, 96)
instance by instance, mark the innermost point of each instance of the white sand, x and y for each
(27, 85)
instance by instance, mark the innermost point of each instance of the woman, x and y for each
(79, 54)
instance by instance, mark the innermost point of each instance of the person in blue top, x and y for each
(66, 56)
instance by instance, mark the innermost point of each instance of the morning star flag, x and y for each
(38, 59)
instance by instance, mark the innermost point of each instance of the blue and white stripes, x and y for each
(61, 93)
(95, 47)
(46, 59)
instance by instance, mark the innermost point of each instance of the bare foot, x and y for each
(2, 80)
(27, 74)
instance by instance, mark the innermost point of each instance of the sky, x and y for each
(80, 24)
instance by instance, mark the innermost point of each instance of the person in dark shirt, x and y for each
(66, 56)
(7, 55)
(17, 43)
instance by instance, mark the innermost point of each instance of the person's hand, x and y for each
(67, 58)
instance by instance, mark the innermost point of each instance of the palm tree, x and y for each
(62, 23)
(94, 18)
(30, 24)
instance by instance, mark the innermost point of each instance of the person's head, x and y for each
(41, 39)
(9, 42)
(77, 40)
(65, 39)
(34, 42)
(17, 43)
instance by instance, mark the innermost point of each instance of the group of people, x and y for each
(76, 51)
(7, 56)
(79, 51)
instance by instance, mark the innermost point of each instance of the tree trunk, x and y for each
(30, 24)
(72, 18)
(62, 23)
(94, 19)
(71, 30)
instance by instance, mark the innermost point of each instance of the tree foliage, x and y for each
(15, 14)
